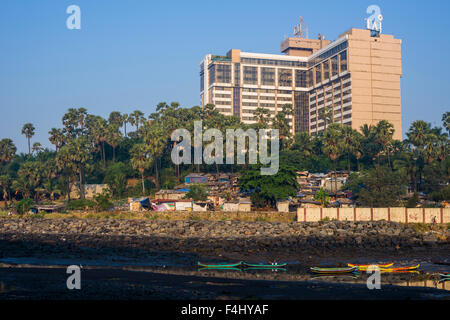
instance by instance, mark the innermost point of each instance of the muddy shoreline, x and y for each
(122, 263)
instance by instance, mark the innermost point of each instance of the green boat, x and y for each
(223, 266)
(265, 266)
(334, 270)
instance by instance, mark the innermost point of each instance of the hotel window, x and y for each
(237, 74)
(212, 74)
(318, 74)
(301, 78)
(284, 77)
(268, 76)
(334, 66)
(236, 102)
(202, 81)
(310, 78)
(250, 75)
(220, 95)
(343, 61)
(223, 73)
(326, 70)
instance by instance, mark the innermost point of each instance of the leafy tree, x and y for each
(197, 192)
(116, 178)
(29, 177)
(378, 187)
(102, 201)
(24, 205)
(270, 188)
(323, 197)
(413, 201)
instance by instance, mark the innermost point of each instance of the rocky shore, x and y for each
(236, 239)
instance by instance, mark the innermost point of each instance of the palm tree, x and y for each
(383, 136)
(156, 139)
(262, 116)
(5, 184)
(37, 147)
(98, 130)
(125, 120)
(7, 150)
(417, 132)
(304, 143)
(75, 121)
(140, 161)
(28, 131)
(446, 121)
(116, 119)
(333, 145)
(136, 118)
(326, 114)
(282, 122)
(348, 137)
(67, 167)
(79, 153)
(113, 137)
(56, 138)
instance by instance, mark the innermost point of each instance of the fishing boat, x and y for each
(218, 268)
(444, 275)
(265, 266)
(223, 266)
(352, 275)
(333, 270)
(364, 267)
(400, 269)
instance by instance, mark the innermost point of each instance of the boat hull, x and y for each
(333, 270)
(364, 267)
(223, 266)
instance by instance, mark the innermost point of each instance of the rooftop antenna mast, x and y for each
(298, 29)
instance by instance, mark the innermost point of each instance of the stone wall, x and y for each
(228, 215)
(404, 215)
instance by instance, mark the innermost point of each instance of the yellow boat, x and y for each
(401, 269)
(364, 267)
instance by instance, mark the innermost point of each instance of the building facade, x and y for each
(354, 80)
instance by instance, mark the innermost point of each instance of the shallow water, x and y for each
(427, 276)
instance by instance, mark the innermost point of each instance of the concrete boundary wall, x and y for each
(405, 215)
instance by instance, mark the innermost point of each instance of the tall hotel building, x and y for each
(356, 78)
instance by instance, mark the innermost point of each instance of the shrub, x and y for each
(80, 204)
(24, 205)
(102, 202)
(413, 201)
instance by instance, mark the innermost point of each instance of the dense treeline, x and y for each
(91, 149)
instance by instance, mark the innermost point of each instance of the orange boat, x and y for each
(363, 267)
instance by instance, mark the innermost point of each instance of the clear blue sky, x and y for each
(133, 54)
